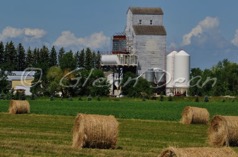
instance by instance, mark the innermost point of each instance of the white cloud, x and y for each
(66, 39)
(94, 41)
(11, 32)
(35, 33)
(235, 40)
(209, 23)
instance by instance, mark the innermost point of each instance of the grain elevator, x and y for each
(141, 48)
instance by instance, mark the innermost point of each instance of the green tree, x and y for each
(29, 58)
(221, 79)
(40, 81)
(53, 57)
(81, 59)
(208, 82)
(134, 86)
(54, 76)
(226, 73)
(129, 80)
(44, 60)
(98, 60)
(10, 57)
(4, 85)
(100, 87)
(220, 73)
(76, 56)
(93, 60)
(1, 55)
(233, 81)
(88, 59)
(21, 58)
(98, 84)
(36, 87)
(142, 86)
(195, 82)
(68, 61)
(92, 82)
(36, 57)
(60, 56)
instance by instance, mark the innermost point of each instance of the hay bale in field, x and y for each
(19, 107)
(195, 115)
(223, 131)
(95, 131)
(198, 152)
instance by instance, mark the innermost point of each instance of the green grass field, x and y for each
(145, 127)
(125, 109)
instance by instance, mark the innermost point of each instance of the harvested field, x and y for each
(47, 135)
(47, 131)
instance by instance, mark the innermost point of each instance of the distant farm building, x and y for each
(21, 81)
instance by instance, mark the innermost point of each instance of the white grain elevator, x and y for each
(146, 38)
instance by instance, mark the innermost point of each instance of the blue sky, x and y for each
(206, 29)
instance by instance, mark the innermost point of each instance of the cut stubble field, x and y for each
(145, 128)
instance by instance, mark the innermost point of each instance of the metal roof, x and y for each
(182, 53)
(172, 53)
(149, 30)
(146, 11)
(20, 75)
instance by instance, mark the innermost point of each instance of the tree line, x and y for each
(79, 73)
(14, 58)
(220, 80)
(54, 66)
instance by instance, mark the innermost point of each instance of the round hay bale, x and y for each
(198, 152)
(19, 107)
(223, 131)
(95, 131)
(194, 115)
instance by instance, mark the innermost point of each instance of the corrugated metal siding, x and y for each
(151, 52)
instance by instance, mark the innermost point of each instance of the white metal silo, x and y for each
(159, 75)
(181, 72)
(170, 61)
(149, 75)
